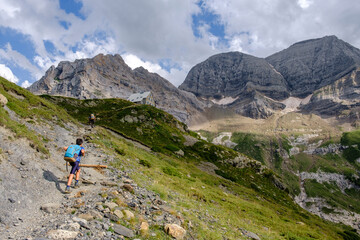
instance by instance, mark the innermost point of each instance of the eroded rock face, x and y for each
(251, 83)
(313, 64)
(231, 74)
(338, 98)
(107, 76)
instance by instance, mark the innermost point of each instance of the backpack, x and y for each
(72, 151)
(92, 117)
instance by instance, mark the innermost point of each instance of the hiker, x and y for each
(92, 120)
(73, 156)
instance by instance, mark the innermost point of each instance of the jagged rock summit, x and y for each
(108, 76)
(324, 71)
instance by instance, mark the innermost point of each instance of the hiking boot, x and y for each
(77, 185)
(67, 190)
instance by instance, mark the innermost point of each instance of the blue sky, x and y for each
(166, 37)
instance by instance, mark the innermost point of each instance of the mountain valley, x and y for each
(244, 148)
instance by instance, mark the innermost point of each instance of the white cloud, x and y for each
(6, 72)
(304, 3)
(156, 30)
(175, 76)
(273, 25)
(20, 60)
(26, 84)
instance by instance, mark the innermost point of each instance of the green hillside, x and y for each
(235, 200)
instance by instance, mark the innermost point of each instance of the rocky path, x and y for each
(108, 205)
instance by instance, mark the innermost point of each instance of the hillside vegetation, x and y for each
(310, 158)
(217, 199)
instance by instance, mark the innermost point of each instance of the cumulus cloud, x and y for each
(26, 84)
(19, 60)
(156, 30)
(263, 27)
(6, 73)
(175, 76)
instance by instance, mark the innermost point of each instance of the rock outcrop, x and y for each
(249, 81)
(326, 68)
(312, 64)
(108, 76)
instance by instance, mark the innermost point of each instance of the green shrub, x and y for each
(351, 153)
(349, 235)
(172, 148)
(120, 151)
(156, 149)
(145, 163)
(171, 171)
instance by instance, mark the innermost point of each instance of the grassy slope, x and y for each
(215, 206)
(29, 108)
(264, 149)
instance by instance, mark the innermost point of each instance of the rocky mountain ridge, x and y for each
(108, 76)
(258, 87)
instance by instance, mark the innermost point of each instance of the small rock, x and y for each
(96, 214)
(111, 205)
(88, 182)
(83, 223)
(121, 230)
(144, 229)
(112, 217)
(128, 215)
(62, 234)
(86, 216)
(127, 180)
(251, 235)
(118, 213)
(180, 153)
(155, 207)
(50, 207)
(109, 184)
(175, 231)
(74, 226)
(11, 200)
(128, 187)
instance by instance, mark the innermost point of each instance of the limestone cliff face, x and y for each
(325, 67)
(107, 76)
(230, 74)
(310, 65)
(341, 98)
(252, 82)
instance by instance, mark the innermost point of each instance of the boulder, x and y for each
(86, 216)
(144, 229)
(3, 100)
(175, 231)
(121, 230)
(111, 205)
(118, 213)
(128, 214)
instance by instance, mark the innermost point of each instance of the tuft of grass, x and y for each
(145, 163)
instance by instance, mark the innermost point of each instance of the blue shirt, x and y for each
(80, 154)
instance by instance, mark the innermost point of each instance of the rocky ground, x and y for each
(108, 204)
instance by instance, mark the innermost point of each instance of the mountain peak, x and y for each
(311, 64)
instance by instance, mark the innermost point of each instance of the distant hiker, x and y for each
(92, 120)
(73, 156)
